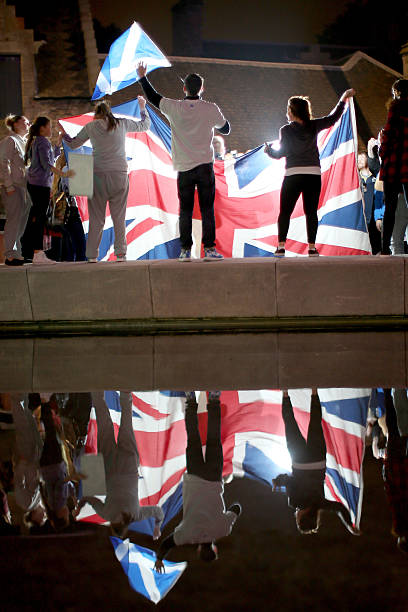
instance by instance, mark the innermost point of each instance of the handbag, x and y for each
(57, 210)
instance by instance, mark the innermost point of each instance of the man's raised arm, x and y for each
(151, 94)
(225, 129)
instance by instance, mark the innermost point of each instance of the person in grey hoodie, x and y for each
(29, 446)
(121, 460)
(298, 143)
(107, 134)
(14, 190)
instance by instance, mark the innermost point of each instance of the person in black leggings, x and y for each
(298, 143)
(305, 486)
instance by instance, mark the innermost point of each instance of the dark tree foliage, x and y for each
(379, 25)
(105, 35)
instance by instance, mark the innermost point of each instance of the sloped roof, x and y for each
(253, 95)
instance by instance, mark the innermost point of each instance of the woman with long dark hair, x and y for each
(107, 134)
(298, 143)
(14, 190)
(41, 155)
(394, 158)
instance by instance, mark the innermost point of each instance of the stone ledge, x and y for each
(338, 286)
(230, 288)
(89, 292)
(269, 293)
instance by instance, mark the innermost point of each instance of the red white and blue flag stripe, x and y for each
(257, 448)
(247, 196)
(253, 440)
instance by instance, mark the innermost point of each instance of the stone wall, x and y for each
(58, 71)
(187, 28)
(15, 40)
(404, 54)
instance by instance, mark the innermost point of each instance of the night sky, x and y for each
(259, 20)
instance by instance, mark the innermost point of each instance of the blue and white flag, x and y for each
(138, 564)
(119, 68)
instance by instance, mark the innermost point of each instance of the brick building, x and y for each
(48, 55)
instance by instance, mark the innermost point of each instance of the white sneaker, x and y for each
(92, 260)
(40, 258)
(120, 257)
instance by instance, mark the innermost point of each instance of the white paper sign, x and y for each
(82, 183)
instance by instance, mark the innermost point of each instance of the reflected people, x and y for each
(395, 461)
(121, 460)
(58, 491)
(305, 486)
(28, 450)
(205, 519)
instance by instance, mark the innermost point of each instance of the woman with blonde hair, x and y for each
(14, 190)
(107, 134)
(298, 143)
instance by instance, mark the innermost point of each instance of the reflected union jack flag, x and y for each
(253, 440)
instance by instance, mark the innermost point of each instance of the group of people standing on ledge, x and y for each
(28, 165)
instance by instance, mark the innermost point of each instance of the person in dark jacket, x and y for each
(395, 462)
(298, 143)
(394, 158)
(305, 487)
(367, 182)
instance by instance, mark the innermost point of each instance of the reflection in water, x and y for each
(164, 453)
(121, 461)
(204, 517)
(394, 456)
(305, 487)
(28, 450)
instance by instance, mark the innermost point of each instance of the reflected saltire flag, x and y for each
(138, 565)
(119, 68)
(247, 197)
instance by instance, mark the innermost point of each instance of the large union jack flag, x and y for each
(247, 196)
(253, 440)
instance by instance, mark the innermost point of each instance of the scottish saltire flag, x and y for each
(247, 197)
(255, 446)
(158, 423)
(119, 68)
(138, 565)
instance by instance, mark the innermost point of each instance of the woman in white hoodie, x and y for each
(107, 134)
(14, 190)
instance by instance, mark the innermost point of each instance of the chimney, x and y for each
(404, 54)
(187, 28)
(91, 52)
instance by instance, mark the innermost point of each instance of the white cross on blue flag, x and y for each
(138, 564)
(119, 68)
